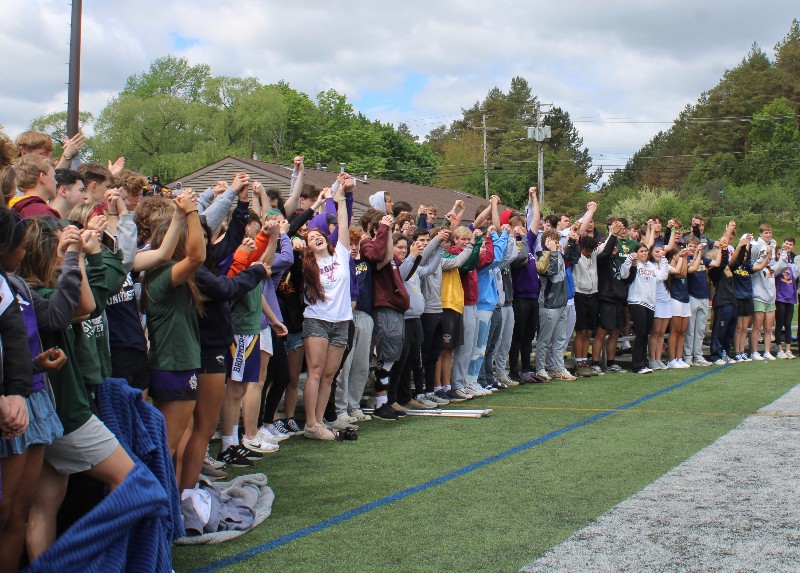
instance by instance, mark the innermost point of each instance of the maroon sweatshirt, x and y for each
(388, 290)
(33, 206)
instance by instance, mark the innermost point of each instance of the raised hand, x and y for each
(97, 223)
(298, 163)
(69, 241)
(116, 167)
(248, 245)
(387, 220)
(240, 180)
(91, 241)
(116, 204)
(73, 145)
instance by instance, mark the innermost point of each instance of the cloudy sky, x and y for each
(623, 70)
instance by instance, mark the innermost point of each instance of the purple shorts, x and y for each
(244, 358)
(169, 385)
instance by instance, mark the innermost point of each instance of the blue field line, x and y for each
(378, 503)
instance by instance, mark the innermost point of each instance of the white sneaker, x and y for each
(257, 445)
(271, 432)
(427, 402)
(768, 355)
(757, 356)
(687, 361)
(781, 355)
(265, 436)
(789, 355)
(644, 370)
(683, 363)
(674, 364)
(700, 362)
(478, 390)
(720, 362)
(340, 424)
(543, 374)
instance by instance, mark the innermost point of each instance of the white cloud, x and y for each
(614, 59)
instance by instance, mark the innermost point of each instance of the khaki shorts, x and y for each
(82, 449)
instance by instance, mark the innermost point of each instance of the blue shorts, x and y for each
(294, 340)
(244, 358)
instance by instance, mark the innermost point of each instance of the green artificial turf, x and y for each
(503, 515)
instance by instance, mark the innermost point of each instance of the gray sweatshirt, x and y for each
(764, 280)
(432, 283)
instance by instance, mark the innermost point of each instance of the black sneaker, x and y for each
(232, 458)
(293, 426)
(281, 426)
(248, 453)
(385, 412)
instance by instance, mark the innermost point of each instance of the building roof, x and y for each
(279, 176)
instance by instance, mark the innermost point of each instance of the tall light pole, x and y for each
(73, 93)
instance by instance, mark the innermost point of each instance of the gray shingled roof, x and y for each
(276, 175)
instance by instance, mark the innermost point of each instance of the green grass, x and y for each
(501, 516)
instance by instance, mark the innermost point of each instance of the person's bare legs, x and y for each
(210, 394)
(332, 362)
(316, 354)
(41, 531)
(20, 474)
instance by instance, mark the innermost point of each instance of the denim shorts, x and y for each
(294, 340)
(334, 332)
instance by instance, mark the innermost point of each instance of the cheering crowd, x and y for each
(212, 305)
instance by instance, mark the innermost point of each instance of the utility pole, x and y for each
(485, 155)
(539, 133)
(540, 156)
(73, 104)
(485, 161)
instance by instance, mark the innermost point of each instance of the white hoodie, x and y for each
(643, 288)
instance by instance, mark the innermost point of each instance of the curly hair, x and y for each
(8, 151)
(150, 214)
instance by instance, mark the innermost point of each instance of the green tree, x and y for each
(170, 76)
(55, 124)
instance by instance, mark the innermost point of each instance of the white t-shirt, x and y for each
(334, 277)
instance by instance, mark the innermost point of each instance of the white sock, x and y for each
(388, 365)
(420, 396)
(235, 433)
(446, 387)
(380, 401)
(228, 441)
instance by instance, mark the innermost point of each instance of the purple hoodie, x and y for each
(284, 257)
(525, 278)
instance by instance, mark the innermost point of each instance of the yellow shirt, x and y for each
(452, 291)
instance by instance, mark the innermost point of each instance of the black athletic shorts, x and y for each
(585, 311)
(611, 316)
(744, 307)
(452, 328)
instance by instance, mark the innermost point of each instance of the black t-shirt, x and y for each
(125, 328)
